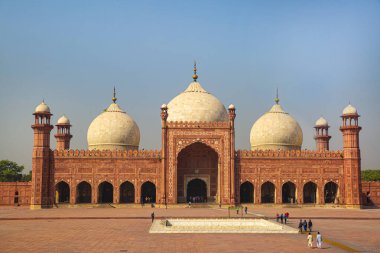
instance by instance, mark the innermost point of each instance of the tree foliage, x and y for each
(11, 172)
(370, 175)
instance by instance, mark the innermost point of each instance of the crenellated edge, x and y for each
(289, 154)
(108, 153)
(195, 124)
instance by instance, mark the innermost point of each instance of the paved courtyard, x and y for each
(127, 230)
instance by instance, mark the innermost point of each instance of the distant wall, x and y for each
(13, 193)
(371, 192)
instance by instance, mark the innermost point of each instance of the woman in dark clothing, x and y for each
(310, 224)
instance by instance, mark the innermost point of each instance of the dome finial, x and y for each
(276, 99)
(195, 76)
(114, 95)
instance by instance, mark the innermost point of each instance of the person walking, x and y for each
(310, 240)
(286, 217)
(300, 226)
(246, 210)
(310, 225)
(305, 225)
(282, 218)
(277, 217)
(152, 215)
(319, 241)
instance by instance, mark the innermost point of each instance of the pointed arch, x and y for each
(84, 192)
(127, 192)
(148, 192)
(268, 192)
(310, 193)
(62, 190)
(288, 192)
(331, 192)
(246, 192)
(105, 192)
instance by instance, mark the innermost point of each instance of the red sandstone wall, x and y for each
(9, 189)
(115, 167)
(298, 167)
(371, 193)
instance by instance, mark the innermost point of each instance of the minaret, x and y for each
(42, 175)
(63, 135)
(322, 136)
(235, 186)
(351, 156)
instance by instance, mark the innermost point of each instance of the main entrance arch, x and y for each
(197, 162)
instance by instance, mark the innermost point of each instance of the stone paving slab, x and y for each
(106, 234)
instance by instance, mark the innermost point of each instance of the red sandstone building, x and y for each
(198, 161)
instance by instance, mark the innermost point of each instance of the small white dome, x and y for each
(164, 106)
(113, 129)
(64, 120)
(276, 130)
(42, 108)
(231, 106)
(196, 104)
(321, 122)
(349, 110)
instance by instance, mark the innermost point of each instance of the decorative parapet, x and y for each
(193, 124)
(288, 154)
(108, 153)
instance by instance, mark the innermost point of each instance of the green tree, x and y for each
(10, 171)
(370, 175)
(27, 177)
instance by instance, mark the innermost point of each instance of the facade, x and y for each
(198, 161)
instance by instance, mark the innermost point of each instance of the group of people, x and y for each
(305, 225)
(318, 240)
(308, 226)
(197, 199)
(282, 217)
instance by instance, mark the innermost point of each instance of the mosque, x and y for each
(197, 161)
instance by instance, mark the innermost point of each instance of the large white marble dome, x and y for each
(196, 104)
(276, 130)
(113, 129)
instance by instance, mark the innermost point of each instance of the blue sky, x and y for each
(320, 55)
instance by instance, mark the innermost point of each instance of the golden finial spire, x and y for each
(195, 76)
(114, 95)
(277, 99)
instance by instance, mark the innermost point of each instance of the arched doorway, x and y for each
(331, 191)
(127, 192)
(16, 198)
(288, 192)
(105, 193)
(197, 161)
(246, 192)
(83, 192)
(148, 192)
(196, 191)
(267, 193)
(63, 191)
(310, 193)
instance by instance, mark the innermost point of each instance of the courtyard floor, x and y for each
(127, 230)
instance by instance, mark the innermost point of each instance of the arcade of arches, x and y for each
(197, 191)
(197, 174)
(289, 193)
